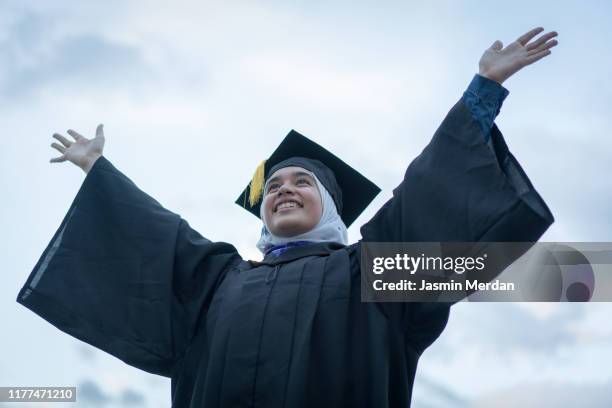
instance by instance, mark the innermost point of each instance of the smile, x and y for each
(287, 205)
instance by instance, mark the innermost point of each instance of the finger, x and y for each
(74, 134)
(58, 147)
(541, 40)
(100, 130)
(497, 45)
(537, 56)
(546, 46)
(524, 39)
(58, 159)
(62, 139)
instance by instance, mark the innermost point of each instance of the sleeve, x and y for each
(457, 190)
(484, 98)
(126, 275)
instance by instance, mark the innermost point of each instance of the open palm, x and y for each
(499, 64)
(83, 152)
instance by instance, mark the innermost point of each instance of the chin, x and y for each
(289, 232)
(289, 229)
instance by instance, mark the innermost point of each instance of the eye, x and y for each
(272, 187)
(303, 181)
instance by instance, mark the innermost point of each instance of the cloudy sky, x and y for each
(194, 94)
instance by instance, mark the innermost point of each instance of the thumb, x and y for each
(497, 45)
(100, 130)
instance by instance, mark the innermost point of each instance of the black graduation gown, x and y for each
(133, 279)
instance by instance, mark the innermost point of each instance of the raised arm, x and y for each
(123, 273)
(460, 189)
(464, 186)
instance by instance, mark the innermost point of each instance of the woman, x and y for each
(132, 278)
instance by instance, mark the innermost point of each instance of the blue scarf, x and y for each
(277, 250)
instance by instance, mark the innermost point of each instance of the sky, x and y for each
(194, 94)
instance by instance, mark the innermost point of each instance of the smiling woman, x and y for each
(292, 203)
(132, 278)
(301, 197)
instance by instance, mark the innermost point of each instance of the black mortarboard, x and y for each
(351, 191)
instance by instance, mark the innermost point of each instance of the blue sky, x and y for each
(187, 89)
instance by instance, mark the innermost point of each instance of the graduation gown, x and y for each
(131, 278)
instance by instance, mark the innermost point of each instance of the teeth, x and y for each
(288, 204)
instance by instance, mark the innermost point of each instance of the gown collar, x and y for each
(314, 249)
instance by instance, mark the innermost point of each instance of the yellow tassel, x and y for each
(257, 184)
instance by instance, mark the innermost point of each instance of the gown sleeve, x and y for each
(458, 189)
(126, 275)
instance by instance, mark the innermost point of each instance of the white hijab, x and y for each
(330, 227)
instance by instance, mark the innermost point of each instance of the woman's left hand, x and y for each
(498, 63)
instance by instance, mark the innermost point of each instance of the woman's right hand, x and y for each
(498, 63)
(82, 152)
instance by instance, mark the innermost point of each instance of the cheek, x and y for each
(267, 206)
(315, 204)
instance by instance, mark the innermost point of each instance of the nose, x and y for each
(285, 188)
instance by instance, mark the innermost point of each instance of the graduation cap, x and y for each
(351, 191)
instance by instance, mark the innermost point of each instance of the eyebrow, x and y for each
(294, 174)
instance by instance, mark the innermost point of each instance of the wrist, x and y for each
(491, 76)
(91, 160)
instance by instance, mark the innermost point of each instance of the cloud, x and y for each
(427, 392)
(432, 393)
(87, 352)
(548, 395)
(324, 85)
(506, 329)
(130, 397)
(89, 392)
(84, 61)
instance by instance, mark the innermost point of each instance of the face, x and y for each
(292, 203)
